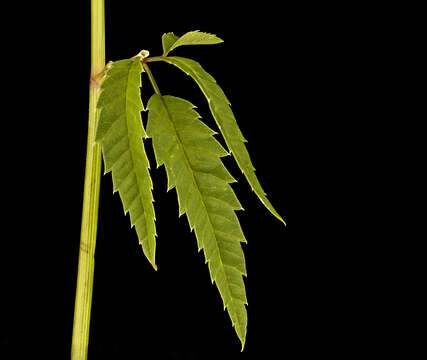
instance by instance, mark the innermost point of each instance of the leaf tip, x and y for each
(154, 266)
(279, 218)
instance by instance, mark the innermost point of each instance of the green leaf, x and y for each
(191, 156)
(168, 40)
(224, 117)
(171, 41)
(120, 132)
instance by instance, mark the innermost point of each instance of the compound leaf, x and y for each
(191, 156)
(171, 41)
(224, 117)
(120, 133)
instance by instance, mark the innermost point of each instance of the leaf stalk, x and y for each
(151, 77)
(154, 58)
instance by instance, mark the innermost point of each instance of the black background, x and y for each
(282, 69)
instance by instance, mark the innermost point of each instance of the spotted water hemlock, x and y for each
(121, 134)
(224, 117)
(192, 159)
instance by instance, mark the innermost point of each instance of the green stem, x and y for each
(150, 76)
(155, 58)
(86, 265)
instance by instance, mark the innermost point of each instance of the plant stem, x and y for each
(86, 265)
